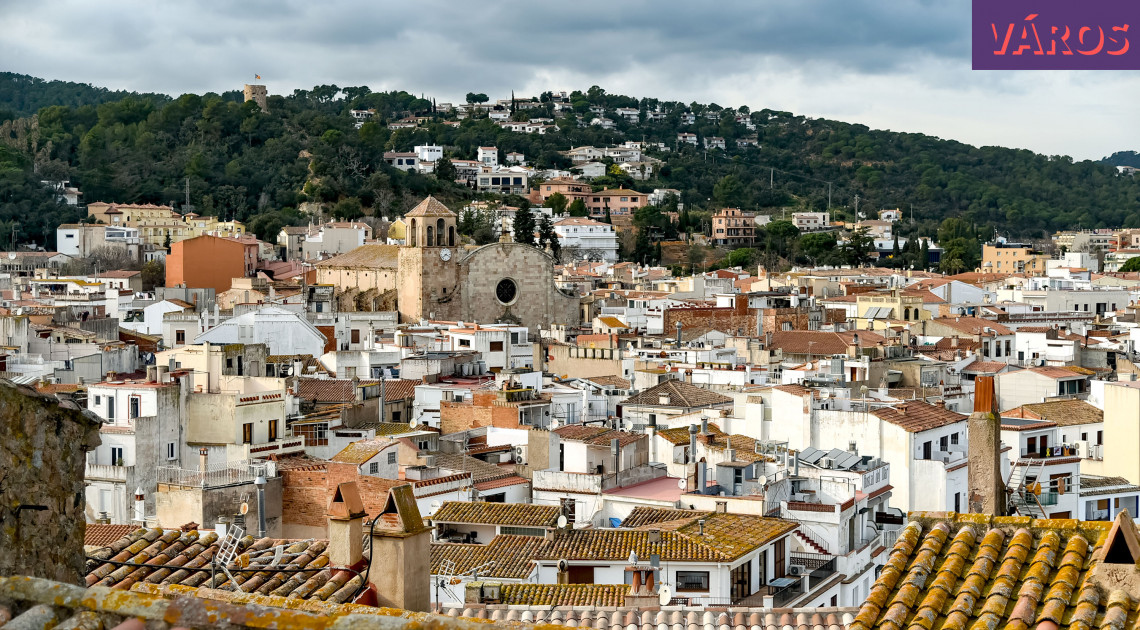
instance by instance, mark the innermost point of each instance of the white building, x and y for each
(428, 152)
(142, 433)
(283, 331)
(811, 221)
(489, 156)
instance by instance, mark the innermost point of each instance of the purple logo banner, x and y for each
(1056, 34)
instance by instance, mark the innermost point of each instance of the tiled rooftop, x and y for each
(957, 571)
(679, 394)
(596, 435)
(516, 514)
(1061, 412)
(511, 556)
(915, 415)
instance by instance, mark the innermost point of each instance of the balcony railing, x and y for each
(1051, 451)
(783, 595)
(223, 474)
(106, 472)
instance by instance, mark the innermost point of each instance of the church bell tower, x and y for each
(428, 273)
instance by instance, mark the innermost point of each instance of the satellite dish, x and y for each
(664, 595)
(563, 566)
(681, 484)
(278, 553)
(412, 425)
(633, 557)
(244, 509)
(561, 522)
(11, 255)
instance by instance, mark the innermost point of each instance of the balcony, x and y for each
(1050, 452)
(215, 475)
(107, 472)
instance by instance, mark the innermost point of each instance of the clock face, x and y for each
(445, 254)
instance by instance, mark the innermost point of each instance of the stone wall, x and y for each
(538, 303)
(306, 492)
(43, 446)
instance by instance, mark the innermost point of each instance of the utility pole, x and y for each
(856, 207)
(829, 195)
(772, 178)
(187, 206)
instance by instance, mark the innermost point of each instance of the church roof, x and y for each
(430, 207)
(370, 256)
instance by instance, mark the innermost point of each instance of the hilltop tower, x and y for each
(257, 94)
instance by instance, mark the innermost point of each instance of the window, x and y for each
(374, 468)
(247, 433)
(355, 335)
(953, 438)
(464, 343)
(180, 337)
(171, 450)
(1100, 437)
(927, 450)
(116, 456)
(506, 291)
(957, 502)
(395, 416)
(98, 400)
(110, 407)
(273, 430)
(692, 581)
(944, 443)
(509, 530)
(496, 346)
(392, 458)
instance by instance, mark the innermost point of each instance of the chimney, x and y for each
(357, 395)
(140, 508)
(705, 427)
(702, 478)
(401, 542)
(203, 459)
(152, 373)
(346, 527)
(298, 367)
(987, 496)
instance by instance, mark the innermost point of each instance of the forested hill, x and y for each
(1123, 158)
(22, 95)
(260, 166)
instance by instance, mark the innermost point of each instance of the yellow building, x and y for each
(158, 224)
(1003, 257)
(878, 311)
(397, 231)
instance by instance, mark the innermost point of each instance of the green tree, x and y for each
(348, 209)
(642, 249)
(547, 237)
(729, 192)
(741, 257)
(858, 247)
(477, 97)
(578, 208)
(445, 170)
(696, 257)
(558, 202)
(153, 275)
(608, 219)
(1130, 265)
(524, 225)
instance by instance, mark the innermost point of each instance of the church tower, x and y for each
(428, 275)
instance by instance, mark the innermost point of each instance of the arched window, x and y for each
(429, 239)
(412, 233)
(906, 314)
(439, 232)
(451, 236)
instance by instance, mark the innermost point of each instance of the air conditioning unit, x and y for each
(826, 462)
(1083, 449)
(797, 569)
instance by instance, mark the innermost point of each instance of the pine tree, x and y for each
(445, 170)
(523, 225)
(578, 208)
(608, 219)
(924, 256)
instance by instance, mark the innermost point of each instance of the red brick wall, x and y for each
(205, 262)
(305, 493)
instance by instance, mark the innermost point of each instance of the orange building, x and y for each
(206, 262)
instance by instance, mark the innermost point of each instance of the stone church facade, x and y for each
(502, 282)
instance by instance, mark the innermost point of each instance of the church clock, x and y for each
(445, 254)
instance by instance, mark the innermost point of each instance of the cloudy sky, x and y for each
(893, 64)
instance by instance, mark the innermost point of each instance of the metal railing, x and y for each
(819, 573)
(222, 474)
(781, 596)
(812, 561)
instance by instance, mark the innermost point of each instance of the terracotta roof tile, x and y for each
(822, 342)
(367, 256)
(598, 436)
(915, 415)
(100, 535)
(679, 394)
(517, 514)
(512, 556)
(592, 595)
(494, 484)
(957, 571)
(1063, 412)
(361, 451)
